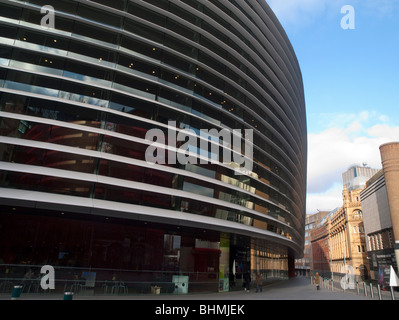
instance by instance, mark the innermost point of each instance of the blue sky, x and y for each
(351, 80)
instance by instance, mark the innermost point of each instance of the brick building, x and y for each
(320, 244)
(305, 265)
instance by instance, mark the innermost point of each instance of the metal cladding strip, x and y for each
(279, 39)
(85, 128)
(128, 138)
(183, 39)
(284, 73)
(237, 41)
(275, 74)
(113, 134)
(59, 173)
(138, 212)
(216, 42)
(254, 83)
(277, 134)
(110, 133)
(141, 163)
(295, 154)
(301, 126)
(122, 136)
(108, 9)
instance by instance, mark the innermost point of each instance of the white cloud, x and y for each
(325, 201)
(332, 151)
(303, 13)
(384, 132)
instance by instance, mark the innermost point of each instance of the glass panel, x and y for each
(59, 5)
(179, 46)
(87, 73)
(8, 32)
(132, 105)
(47, 158)
(136, 46)
(99, 55)
(146, 14)
(117, 4)
(197, 189)
(99, 16)
(124, 148)
(42, 183)
(11, 12)
(50, 133)
(29, 88)
(5, 55)
(93, 33)
(144, 31)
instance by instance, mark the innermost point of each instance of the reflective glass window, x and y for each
(117, 4)
(143, 31)
(123, 148)
(87, 50)
(8, 32)
(47, 158)
(98, 15)
(59, 5)
(50, 133)
(132, 105)
(93, 32)
(178, 63)
(180, 46)
(11, 12)
(43, 183)
(164, 4)
(146, 14)
(85, 72)
(141, 47)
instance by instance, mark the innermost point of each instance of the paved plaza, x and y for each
(294, 289)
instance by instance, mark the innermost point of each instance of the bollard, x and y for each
(392, 294)
(68, 295)
(365, 289)
(332, 285)
(371, 291)
(357, 287)
(16, 292)
(379, 292)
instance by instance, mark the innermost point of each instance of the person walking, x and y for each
(247, 281)
(259, 281)
(316, 281)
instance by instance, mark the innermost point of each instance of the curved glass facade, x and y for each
(77, 101)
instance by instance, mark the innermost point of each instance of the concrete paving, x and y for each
(293, 289)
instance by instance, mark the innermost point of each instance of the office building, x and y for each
(379, 224)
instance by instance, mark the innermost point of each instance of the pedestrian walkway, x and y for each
(294, 289)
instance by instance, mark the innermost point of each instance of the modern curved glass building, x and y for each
(77, 99)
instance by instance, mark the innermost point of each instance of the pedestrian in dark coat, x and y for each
(247, 281)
